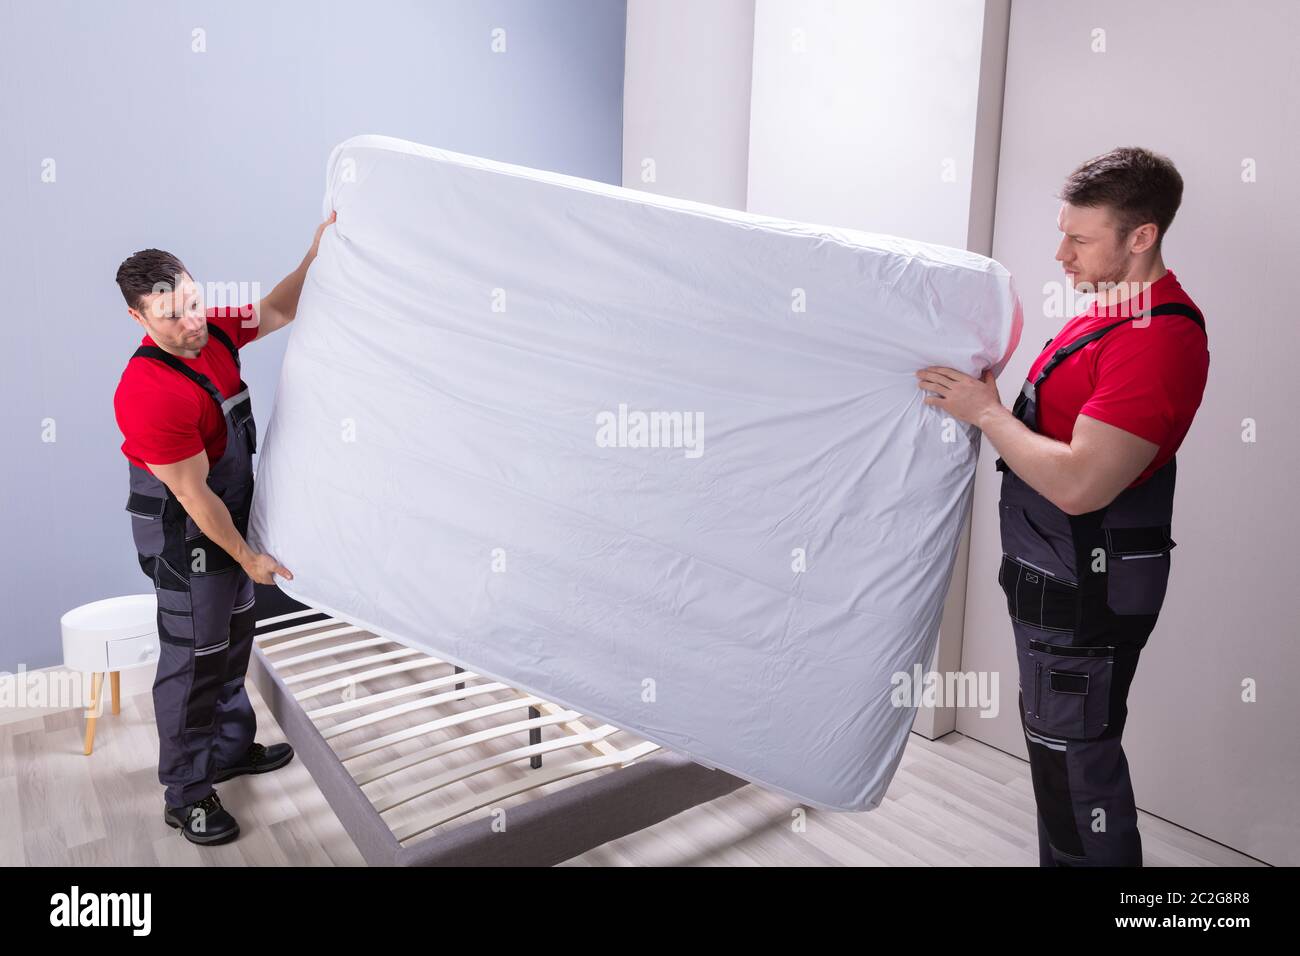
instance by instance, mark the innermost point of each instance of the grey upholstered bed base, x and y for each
(543, 831)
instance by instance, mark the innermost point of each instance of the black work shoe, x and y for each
(259, 759)
(204, 822)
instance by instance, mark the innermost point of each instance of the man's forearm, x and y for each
(282, 302)
(284, 297)
(213, 518)
(1045, 464)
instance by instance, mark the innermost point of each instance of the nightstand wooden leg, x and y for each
(116, 680)
(96, 686)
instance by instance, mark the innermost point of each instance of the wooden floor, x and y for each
(953, 802)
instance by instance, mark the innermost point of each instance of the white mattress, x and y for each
(433, 469)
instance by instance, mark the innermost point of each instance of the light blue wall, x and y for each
(219, 157)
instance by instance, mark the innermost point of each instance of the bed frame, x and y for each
(427, 764)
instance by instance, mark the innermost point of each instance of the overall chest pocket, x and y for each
(1137, 569)
(241, 416)
(147, 515)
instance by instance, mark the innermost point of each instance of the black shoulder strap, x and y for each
(1065, 351)
(162, 355)
(153, 352)
(217, 333)
(1030, 389)
(1177, 308)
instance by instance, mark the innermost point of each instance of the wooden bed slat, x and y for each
(458, 743)
(348, 665)
(356, 723)
(341, 682)
(514, 787)
(454, 774)
(310, 639)
(328, 651)
(369, 700)
(442, 723)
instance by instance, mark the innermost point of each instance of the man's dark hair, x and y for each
(146, 272)
(1138, 186)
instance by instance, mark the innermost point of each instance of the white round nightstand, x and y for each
(110, 636)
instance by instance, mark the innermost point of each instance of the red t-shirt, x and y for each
(164, 416)
(1147, 381)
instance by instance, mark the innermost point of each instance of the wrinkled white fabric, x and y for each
(455, 461)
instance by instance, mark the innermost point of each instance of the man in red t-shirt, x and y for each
(189, 437)
(1088, 467)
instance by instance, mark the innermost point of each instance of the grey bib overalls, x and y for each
(1083, 592)
(205, 603)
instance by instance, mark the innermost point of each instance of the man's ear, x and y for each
(1143, 238)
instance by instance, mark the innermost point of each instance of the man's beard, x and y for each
(1108, 276)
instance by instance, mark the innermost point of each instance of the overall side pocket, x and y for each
(1070, 688)
(1038, 599)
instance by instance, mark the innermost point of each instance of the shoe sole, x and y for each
(229, 774)
(203, 841)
